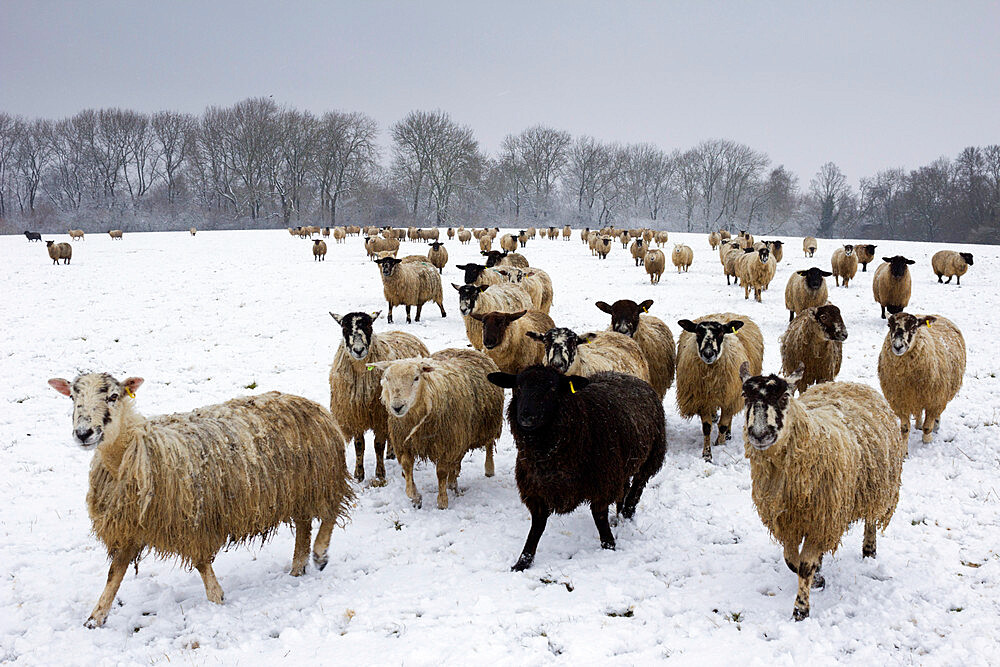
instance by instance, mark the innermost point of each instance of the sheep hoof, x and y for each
(800, 614)
(928, 436)
(613, 520)
(868, 552)
(819, 582)
(92, 623)
(379, 482)
(320, 561)
(418, 502)
(296, 572)
(707, 456)
(442, 502)
(523, 563)
(608, 545)
(359, 474)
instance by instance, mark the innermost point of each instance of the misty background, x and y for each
(848, 120)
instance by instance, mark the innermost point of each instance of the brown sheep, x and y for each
(57, 251)
(815, 339)
(505, 338)
(651, 333)
(891, 284)
(865, 253)
(319, 250)
(655, 262)
(535, 282)
(410, 284)
(464, 236)
(75, 234)
(805, 289)
(809, 246)
(845, 264)
(115, 234)
(508, 243)
(755, 270)
(638, 251)
(714, 240)
(502, 298)
(437, 255)
(952, 264)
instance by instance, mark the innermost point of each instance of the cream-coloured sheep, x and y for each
(809, 246)
(814, 339)
(892, 283)
(638, 251)
(805, 289)
(115, 234)
(57, 251)
(481, 299)
(755, 270)
(75, 234)
(655, 262)
(437, 255)
(844, 263)
(952, 264)
(535, 282)
(920, 368)
(498, 258)
(339, 234)
(464, 236)
(710, 351)
(725, 235)
(375, 244)
(603, 247)
(818, 463)
(505, 338)
(682, 256)
(189, 484)
(193, 231)
(661, 238)
(354, 383)
(508, 243)
(410, 284)
(592, 352)
(319, 250)
(714, 240)
(652, 335)
(485, 243)
(567, 233)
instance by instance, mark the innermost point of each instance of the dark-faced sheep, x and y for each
(920, 368)
(581, 440)
(480, 274)
(709, 353)
(189, 484)
(319, 250)
(892, 283)
(777, 249)
(505, 338)
(410, 284)
(603, 247)
(437, 255)
(591, 353)
(844, 263)
(498, 258)
(952, 264)
(865, 253)
(651, 333)
(57, 251)
(818, 463)
(354, 383)
(809, 246)
(481, 299)
(33, 236)
(815, 338)
(805, 289)
(638, 251)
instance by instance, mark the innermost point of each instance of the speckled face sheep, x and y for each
(189, 484)
(814, 338)
(591, 353)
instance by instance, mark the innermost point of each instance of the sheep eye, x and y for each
(112, 398)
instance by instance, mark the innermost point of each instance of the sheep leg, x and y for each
(948, 282)
(600, 514)
(706, 431)
(539, 516)
(746, 290)
(303, 535)
(379, 463)
(836, 279)
(388, 317)
(791, 315)
(634, 492)
(443, 474)
(489, 469)
(724, 433)
(868, 546)
(408, 320)
(958, 280)
(929, 420)
(406, 463)
(441, 306)
(808, 564)
(359, 458)
(213, 591)
(453, 472)
(756, 294)
(904, 421)
(420, 307)
(322, 543)
(119, 565)
(883, 312)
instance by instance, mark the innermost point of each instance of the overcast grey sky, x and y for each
(867, 85)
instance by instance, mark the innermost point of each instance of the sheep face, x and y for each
(495, 326)
(388, 265)
(831, 322)
(774, 245)
(468, 295)
(401, 384)
(870, 248)
(493, 258)
(766, 400)
(625, 314)
(437, 245)
(711, 336)
(848, 249)
(967, 256)
(560, 346)
(763, 254)
(357, 330)
(903, 329)
(98, 404)
(537, 393)
(814, 277)
(897, 265)
(472, 272)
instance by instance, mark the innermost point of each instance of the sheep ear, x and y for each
(804, 272)
(573, 383)
(375, 314)
(825, 274)
(646, 305)
(586, 338)
(483, 288)
(910, 261)
(516, 316)
(426, 368)
(794, 377)
(131, 385)
(535, 336)
(732, 326)
(687, 325)
(928, 320)
(603, 307)
(887, 259)
(461, 266)
(457, 288)
(483, 253)
(744, 371)
(503, 380)
(380, 365)
(336, 317)
(477, 317)
(60, 385)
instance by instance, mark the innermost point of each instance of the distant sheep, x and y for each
(624, 238)
(193, 231)
(866, 254)
(814, 339)
(451, 233)
(581, 440)
(464, 236)
(725, 235)
(920, 368)
(437, 255)
(682, 256)
(410, 284)
(603, 247)
(33, 236)
(481, 299)
(354, 383)
(319, 250)
(655, 263)
(661, 238)
(77, 234)
(508, 243)
(952, 264)
(809, 246)
(710, 351)
(714, 240)
(522, 238)
(818, 463)
(591, 353)
(505, 338)
(485, 242)
(115, 234)
(805, 289)
(755, 271)
(57, 251)
(892, 283)
(845, 264)
(339, 234)
(638, 251)
(189, 484)
(731, 253)
(567, 232)
(651, 333)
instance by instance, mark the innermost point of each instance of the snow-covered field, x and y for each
(696, 577)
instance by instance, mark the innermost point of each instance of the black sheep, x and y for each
(33, 236)
(581, 440)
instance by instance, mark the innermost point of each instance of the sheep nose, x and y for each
(83, 434)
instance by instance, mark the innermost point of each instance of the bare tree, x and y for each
(175, 133)
(297, 139)
(689, 184)
(882, 200)
(649, 175)
(833, 198)
(928, 199)
(347, 154)
(543, 151)
(10, 129)
(31, 157)
(586, 159)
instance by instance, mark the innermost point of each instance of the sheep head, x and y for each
(560, 346)
(897, 265)
(831, 322)
(388, 265)
(711, 336)
(625, 314)
(903, 329)
(357, 330)
(766, 399)
(401, 382)
(814, 277)
(468, 296)
(537, 393)
(99, 401)
(495, 326)
(848, 249)
(472, 271)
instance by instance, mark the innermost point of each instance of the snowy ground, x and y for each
(695, 578)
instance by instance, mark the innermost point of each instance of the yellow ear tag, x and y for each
(129, 392)
(371, 368)
(645, 311)
(928, 324)
(571, 389)
(734, 329)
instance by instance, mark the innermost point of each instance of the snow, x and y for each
(695, 577)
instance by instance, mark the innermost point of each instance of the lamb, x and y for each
(818, 463)
(410, 284)
(866, 254)
(920, 368)
(319, 250)
(638, 251)
(57, 251)
(714, 240)
(75, 234)
(815, 339)
(805, 289)
(437, 255)
(709, 353)
(591, 353)
(891, 284)
(535, 282)
(115, 234)
(682, 256)
(755, 270)
(188, 484)
(339, 234)
(33, 236)
(661, 238)
(651, 333)
(497, 258)
(594, 440)
(354, 383)
(952, 264)
(464, 236)
(844, 263)
(441, 407)
(505, 338)
(777, 249)
(480, 274)
(655, 262)
(809, 246)
(502, 298)
(603, 247)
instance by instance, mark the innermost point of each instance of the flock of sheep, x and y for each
(586, 411)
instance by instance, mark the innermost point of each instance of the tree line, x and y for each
(256, 164)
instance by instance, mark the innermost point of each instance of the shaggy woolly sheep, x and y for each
(920, 368)
(479, 274)
(655, 263)
(661, 238)
(777, 249)
(339, 234)
(115, 234)
(844, 263)
(815, 339)
(377, 244)
(354, 383)
(451, 233)
(505, 338)
(952, 264)
(725, 235)
(647, 236)
(594, 440)
(638, 251)
(567, 232)
(508, 243)
(535, 282)
(809, 246)
(592, 352)
(502, 298)
(891, 284)
(189, 484)
(731, 253)
(714, 240)
(464, 236)
(818, 463)
(439, 408)
(709, 353)
(865, 253)
(623, 237)
(319, 250)
(497, 258)
(522, 238)
(193, 231)
(410, 284)
(437, 255)
(603, 247)
(805, 289)
(682, 256)
(57, 251)
(651, 333)
(485, 242)
(755, 270)
(75, 234)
